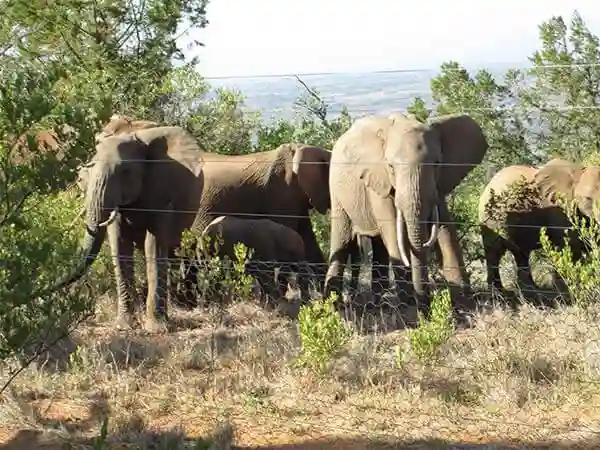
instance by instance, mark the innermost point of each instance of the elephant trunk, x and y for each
(90, 247)
(98, 217)
(415, 209)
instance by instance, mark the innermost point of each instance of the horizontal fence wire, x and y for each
(208, 291)
(308, 216)
(518, 66)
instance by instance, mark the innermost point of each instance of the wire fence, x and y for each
(378, 299)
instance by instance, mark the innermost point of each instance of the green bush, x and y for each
(220, 279)
(581, 276)
(432, 333)
(323, 333)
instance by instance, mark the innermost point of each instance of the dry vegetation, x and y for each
(525, 379)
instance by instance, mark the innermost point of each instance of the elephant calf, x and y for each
(520, 200)
(273, 245)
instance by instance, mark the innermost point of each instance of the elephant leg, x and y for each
(524, 276)
(304, 275)
(264, 272)
(494, 249)
(156, 269)
(313, 252)
(357, 251)
(340, 248)
(453, 264)
(387, 227)
(379, 269)
(122, 253)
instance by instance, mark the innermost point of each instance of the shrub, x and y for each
(322, 333)
(581, 275)
(219, 278)
(430, 335)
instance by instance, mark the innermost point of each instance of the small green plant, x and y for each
(581, 275)
(100, 442)
(430, 335)
(237, 282)
(224, 278)
(322, 333)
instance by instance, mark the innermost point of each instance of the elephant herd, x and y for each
(386, 179)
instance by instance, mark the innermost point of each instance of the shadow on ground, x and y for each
(31, 439)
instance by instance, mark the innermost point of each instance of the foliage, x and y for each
(581, 275)
(312, 126)
(221, 125)
(432, 333)
(219, 278)
(563, 96)
(520, 195)
(114, 55)
(322, 332)
(529, 115)
(100, 442)
(66, 67)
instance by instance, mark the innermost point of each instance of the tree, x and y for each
(562, 98)
(66, 66)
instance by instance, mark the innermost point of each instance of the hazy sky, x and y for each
(255, 37)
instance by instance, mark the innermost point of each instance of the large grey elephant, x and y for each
(273, 246)
(389, 179)
(282, 185)
(520, 200)
(145, 187)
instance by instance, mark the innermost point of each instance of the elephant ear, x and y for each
(175, 142)
(558, 178)
(311, 167)
(363, 146)
(463, 147)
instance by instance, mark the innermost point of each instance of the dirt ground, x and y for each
(511, 379)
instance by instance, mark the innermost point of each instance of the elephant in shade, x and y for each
(389, 179)
(282, 185)
(145, 188)
(273, 246)
(532, 198)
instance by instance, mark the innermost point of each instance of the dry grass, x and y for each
(526, 379)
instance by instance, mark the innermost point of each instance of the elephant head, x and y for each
(123, 124)
(573, 182)
(115, 177)
(308, 166)
(416, 166)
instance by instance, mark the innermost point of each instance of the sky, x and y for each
(268, 37)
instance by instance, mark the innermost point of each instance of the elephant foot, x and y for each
(124, 322)
(155, 325)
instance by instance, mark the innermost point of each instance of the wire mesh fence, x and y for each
(231, 355)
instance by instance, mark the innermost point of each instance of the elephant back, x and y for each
(511, 189)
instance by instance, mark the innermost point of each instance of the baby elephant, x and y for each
(273, 246)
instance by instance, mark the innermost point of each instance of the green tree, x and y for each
(66, 66)
(562, 99)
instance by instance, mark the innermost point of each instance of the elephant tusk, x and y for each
(111, 218)
(435, 229)
(400, 237)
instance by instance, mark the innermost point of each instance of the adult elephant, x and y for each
(520, 200)
(145, 187)
(273, 246)
(282, 185)
(389, 179)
